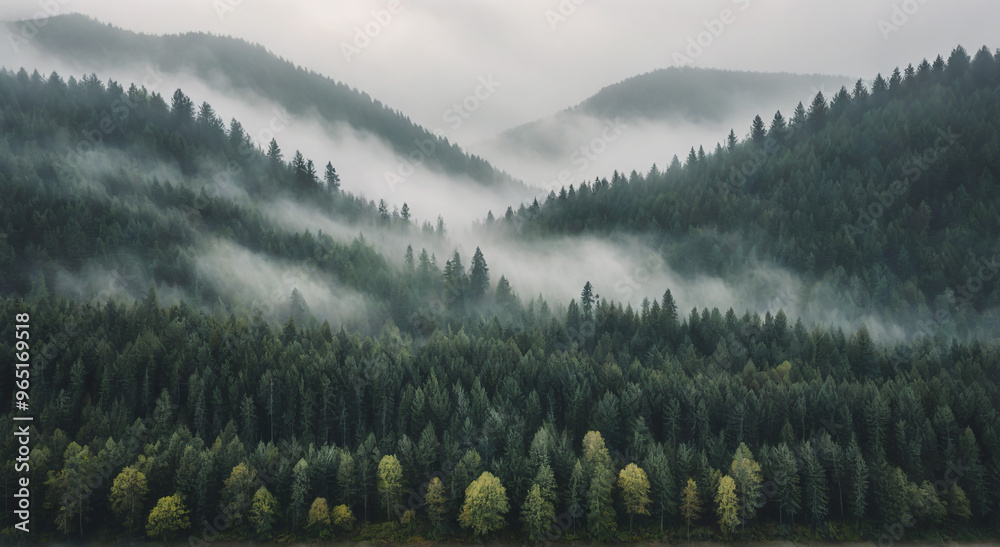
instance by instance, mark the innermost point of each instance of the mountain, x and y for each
(233, 63)
(889, 195)
(204, 346)
(672, 96)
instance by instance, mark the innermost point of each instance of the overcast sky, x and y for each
(546, 55)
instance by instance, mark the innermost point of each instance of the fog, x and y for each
(623, 268)
(575, 145)
(550, 54)
(265, 284)
(538, 58)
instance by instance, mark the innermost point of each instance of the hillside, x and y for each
(672, 96)
(229, 62)
(200, 360)
(890, 195)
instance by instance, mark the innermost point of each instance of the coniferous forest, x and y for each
(446, 404)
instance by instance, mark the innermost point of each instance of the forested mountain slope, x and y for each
(889, 194)
(696, 94)
(250, 67)
(672, 96)
(447, 407)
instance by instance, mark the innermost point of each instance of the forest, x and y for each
(887, 194)
(168, 406)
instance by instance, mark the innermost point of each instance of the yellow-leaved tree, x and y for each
(726, 505)
(169, 516)
(745, 472)
(390, 482)
(128, 495)
(485, 505)
(437, 503)
(263, 512)
(691, 505)
(342, 517)
(635, 491)
(319, 516)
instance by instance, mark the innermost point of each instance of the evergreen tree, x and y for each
(601, 518)
(436, 501)
(332, 180)
(479, 277)
(537, 514)
(758, 131)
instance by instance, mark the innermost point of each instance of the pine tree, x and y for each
(778, 127)
(799, 117)
(758, 131)
(745, 472)
(818, 111)
(274, 154)
(661, 479)
(436, 501)
(346, 480)
(575, 494)
(814, 484)
(601, 518)
(690, 504)
(300, 490)
(333, 180)
(479, 277)
(537, 514)
(786, 477)
(857, 481)
(587, 301)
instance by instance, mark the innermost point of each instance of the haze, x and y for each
(432, 53)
